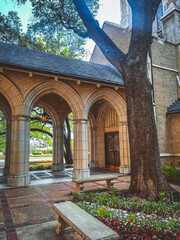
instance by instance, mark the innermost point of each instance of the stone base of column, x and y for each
(5, 171)
(93, 164)
(80, 173)
(18, 180)
(57, 167)
(125, 169)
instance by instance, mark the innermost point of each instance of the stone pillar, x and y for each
(19, 154)
(8, 149)
(94, 162)
(58, 151)
(81, 169)
(100, 146)
(124, 148)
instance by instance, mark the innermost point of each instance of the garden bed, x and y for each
(44, 166)
(133, 218)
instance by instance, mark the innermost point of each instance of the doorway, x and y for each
(112, 150)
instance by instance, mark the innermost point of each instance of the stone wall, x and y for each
(165, 89)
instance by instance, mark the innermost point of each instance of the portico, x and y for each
(94, 93)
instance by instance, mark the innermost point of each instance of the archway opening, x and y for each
(68, 141)
(41, 140)
(51, 133)
(104, 136)
(2, 141)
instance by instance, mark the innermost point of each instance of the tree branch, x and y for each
(42, 131)
(113, 54)
(3, 133)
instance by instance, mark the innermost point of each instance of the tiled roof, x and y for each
(21, 57)
(174, 107)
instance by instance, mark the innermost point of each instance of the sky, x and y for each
(109, 11)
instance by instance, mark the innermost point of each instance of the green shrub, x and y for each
(36, 152)
(47, 151)
(37, 156)
(39, 166)
(172, 174)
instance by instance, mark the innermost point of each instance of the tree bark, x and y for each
(67, 143)
(147, 179)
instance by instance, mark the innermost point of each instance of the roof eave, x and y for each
(61, 75)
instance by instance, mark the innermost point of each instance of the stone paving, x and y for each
(26, 213)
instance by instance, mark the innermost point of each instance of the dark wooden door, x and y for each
(112, 150)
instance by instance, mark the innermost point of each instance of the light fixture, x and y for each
(44, 116)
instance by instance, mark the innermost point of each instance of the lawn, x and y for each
(133, 218)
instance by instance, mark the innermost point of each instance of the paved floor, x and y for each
(26, 213)
(47, 177)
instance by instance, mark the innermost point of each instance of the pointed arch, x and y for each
(113, 98)
(61, 89)
(12, 94)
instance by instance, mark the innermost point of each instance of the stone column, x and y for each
(124, 148)
(19, 154)
(81, 169)
(8, 149)
(58, 151)
(100, 147)
(94, 162)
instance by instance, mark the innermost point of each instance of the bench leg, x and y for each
(61, 225)
(79, 187)
(110, 183)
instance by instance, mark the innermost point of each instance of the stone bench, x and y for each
(103, 177)
(69, 214)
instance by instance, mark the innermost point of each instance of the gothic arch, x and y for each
(6, 111)
(50, 111)
(114, 98)
(61, 89)
(11, 93)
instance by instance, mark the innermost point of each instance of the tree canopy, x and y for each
(46, 31)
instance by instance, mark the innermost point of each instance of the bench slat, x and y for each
(79, 219)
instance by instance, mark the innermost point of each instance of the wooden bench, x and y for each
(69, 214)
(109, 180)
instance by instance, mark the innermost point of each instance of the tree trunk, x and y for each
(147, 179)
(67, 143)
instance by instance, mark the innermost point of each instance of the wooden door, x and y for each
(112, 150)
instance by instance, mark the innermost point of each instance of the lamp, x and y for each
(44, 116)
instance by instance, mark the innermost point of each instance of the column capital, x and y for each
(80, 121)
(61, 128)
(123, 123)
(21, 118)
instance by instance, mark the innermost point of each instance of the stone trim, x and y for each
(169, 154)
(21, 118)
(80, 173)
(165, 68)
(80, 121)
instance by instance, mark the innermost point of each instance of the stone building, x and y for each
(163, 71)
(94, 92)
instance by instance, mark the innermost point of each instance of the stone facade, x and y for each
(92, 106)
(163, 69)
